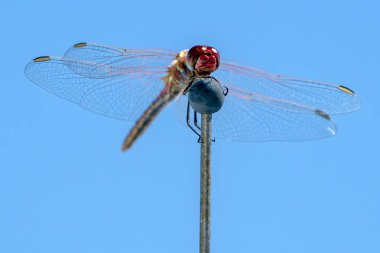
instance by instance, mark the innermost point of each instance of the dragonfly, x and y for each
(137, 84)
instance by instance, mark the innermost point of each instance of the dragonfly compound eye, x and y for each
(203, 59)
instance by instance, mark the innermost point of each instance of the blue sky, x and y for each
(66, 187)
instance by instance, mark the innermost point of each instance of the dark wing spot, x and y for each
(347, 90)
(322, 114)
(42, 58)
(82, 44)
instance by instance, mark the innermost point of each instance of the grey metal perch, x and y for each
(205, 212)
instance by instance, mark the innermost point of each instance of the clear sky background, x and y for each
(65, 186)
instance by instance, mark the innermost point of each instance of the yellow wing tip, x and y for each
(42, 58)
(81, 44)
(347, 90)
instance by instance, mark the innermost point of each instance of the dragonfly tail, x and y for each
(147, 118)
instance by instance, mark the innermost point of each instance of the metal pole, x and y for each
(204, 240)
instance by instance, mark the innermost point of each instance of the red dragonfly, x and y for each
(136, 84)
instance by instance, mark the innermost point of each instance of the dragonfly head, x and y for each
(203, 59)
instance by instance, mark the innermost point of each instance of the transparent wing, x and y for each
(114, 82)
(261, 106)
(259, 118)
(327, 97)
(108, 61)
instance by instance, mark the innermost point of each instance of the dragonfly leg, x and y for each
(189, 124)
(188, 85)
(196, 121)
(225, 90)
(196, 124)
